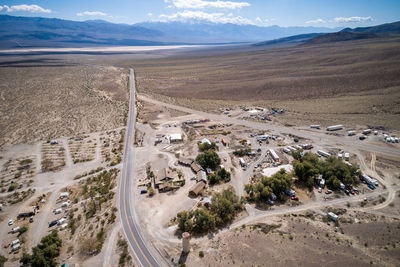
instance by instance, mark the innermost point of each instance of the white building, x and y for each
(177, 137)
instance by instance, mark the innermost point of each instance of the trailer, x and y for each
(273, 154)
(368, 180)
(333, 216)
(335, 127)
(323, 153)
(242, 162)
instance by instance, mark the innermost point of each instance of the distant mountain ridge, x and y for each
(348, 34)
(18, 32)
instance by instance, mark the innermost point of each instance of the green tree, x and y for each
(206, 146)
(208, 159)
(204, 221)
(221, 175)
(45, 253)
(2, 260)
(185, 222)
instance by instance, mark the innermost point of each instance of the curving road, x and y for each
(129, 221)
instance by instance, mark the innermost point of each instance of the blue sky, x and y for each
(326, 13)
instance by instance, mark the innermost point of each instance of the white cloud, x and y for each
(352, 19)
(27, 8)
(200, 4)
(92, 13)
(188, 15)
(316, 21)
(150, 14)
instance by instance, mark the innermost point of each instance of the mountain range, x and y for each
(16, 32)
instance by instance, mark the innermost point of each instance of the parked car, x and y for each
(371, 186)
(52, 223)
(143, 191)
(10, 222)
(295, 198)
(347, 192)
(328, 192)
(270, 202)
(31, 219)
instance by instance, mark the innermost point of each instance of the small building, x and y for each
(185, 162)
(273, 154)
(173, 138)
(196, 167)
(197, 189)
(165, 175)
(201, 176)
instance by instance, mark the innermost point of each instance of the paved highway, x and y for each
(129, 221)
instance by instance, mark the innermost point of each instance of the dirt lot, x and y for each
(299, 241)
(357, 82)
(46, 102)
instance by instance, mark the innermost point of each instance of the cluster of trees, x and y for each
(262, 188)
(219, 176)
(206, 146)
(45, 253)
(208, 159)
(241, 152)
(223, 209)
(335, 171)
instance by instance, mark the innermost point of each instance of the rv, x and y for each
(323, 153)
(274, 156)
(333, 216)
(335, 127)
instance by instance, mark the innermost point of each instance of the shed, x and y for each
(177, 137)
(185, 162)
(196, 167)
(197, 189)
(201, 176)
